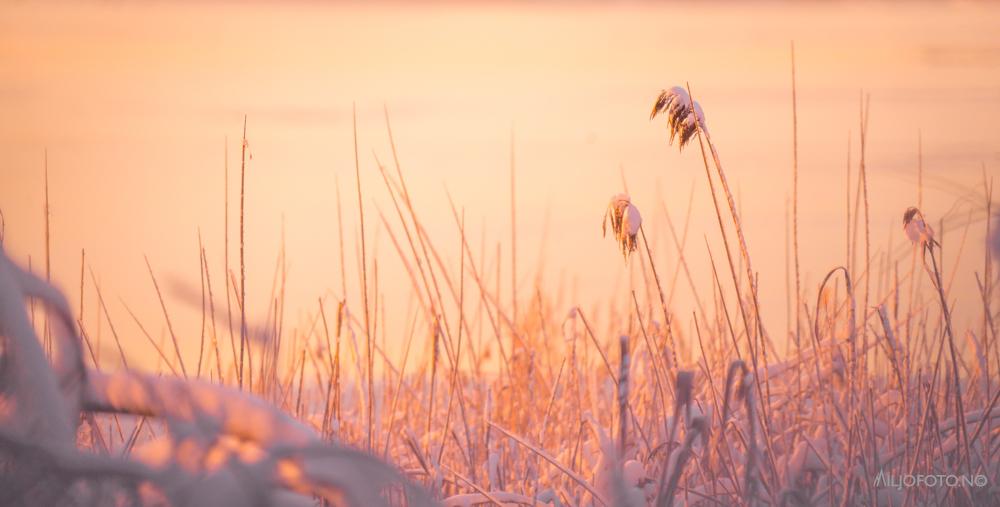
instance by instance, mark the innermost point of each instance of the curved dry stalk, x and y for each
(623, 386)
(682, 400)
(547, 457)
(735, 367)
(695, 429)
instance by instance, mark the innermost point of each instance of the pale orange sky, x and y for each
(133, 103)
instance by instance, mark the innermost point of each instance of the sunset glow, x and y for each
(481, 143)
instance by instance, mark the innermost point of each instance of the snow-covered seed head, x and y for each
(625, 222)
(684, 117)
(917, 229)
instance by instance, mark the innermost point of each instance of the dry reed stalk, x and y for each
(548, 407)
(428, 312)
(986, 289)
(279, 313)
(458, 357)
(369, 349)
(453, 359)
(398, 390)
(681, 258)
(957, 386)
(663, 303)
(682, 400)
(513, 230)
(483, 291)
(201, 276)
(789, 311)
(114, 333)
(443, 269)
(486, 494)
(453, 382)
(722, 301)
(695, 429)
(854, 361)
(795, 220)
(243, 267)
(657, 372)
(336, 362)
(852, 332)
(435, 332)
(847, 207)
(211, 312)
(432, 312)
(447, 419)
(159, 350)
(597, 345)
(166, 316)
(920, 169)
(422, 239)
(340, 241)
(547, 457)
(701, 133)
(735, 367)
(328, 402)
(893, 350)
(83, 261)
(745, 391)
(298, 396)
(225, 254)
(497, 299)
(864, 185)
(46, 332)
(623, 387)
(687, 115)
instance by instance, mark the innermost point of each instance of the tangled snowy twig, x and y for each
(221, 447)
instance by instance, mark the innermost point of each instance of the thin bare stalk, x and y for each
(243, 266)
(369, 357)
(166, 316)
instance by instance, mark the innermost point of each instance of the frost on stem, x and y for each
(683, 116)
(625, 222)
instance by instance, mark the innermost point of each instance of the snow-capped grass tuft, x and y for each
(683, 117)
(625, 222)
(917, 230)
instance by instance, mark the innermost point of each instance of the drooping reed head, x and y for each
(625, 222)
(684, 116)
(917, 229)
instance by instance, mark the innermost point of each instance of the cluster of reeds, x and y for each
(513, 400)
